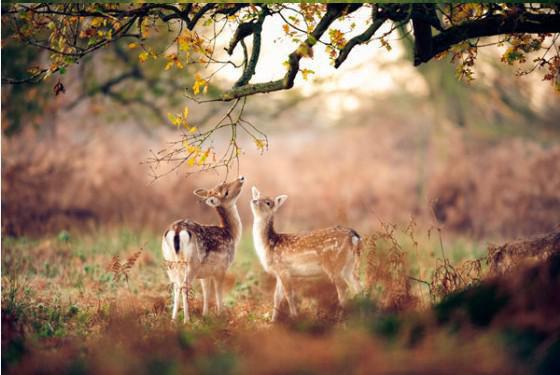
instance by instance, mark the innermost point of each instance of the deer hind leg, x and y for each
(335, 274)
(350, 277)
(175, 301)
(278, 298)
(184, 290)
(340, 285)
(206, 285)
(219, 289)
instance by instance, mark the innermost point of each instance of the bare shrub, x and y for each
(388, 269)
(120, 269)
(510, 255)
(508, 189)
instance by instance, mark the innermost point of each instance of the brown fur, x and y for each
(214, 245)
(332, 251)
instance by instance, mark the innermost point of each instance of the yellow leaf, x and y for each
(306, 72)
(185, 113)
(198, 84)
(143, 56)
(193, 129)
(96, 22)
(132, 45)
(174, 119)
(261, 144)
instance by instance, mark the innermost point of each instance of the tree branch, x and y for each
(334, 11)
(242, 31)
(490, 26)
(362, 38)
(251, 65)
(422, 34)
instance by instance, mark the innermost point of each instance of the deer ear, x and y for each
(279, 201)
(255, 192)
(201, 193)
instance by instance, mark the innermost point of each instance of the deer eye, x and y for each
(268, 204)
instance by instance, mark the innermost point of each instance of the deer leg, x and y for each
(289, 292)
(219, 287)
(340, 285)
(184, 291)
(278, 298)
(205, 284)
(186, 316)
(175, 301)
(350, 278)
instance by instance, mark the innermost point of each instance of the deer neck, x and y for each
(230, 220)
(264, 237)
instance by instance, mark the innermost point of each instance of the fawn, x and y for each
(332, 251)
(205, 252)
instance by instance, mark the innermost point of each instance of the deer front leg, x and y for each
(206, 284)
(287, 287)
(278, 298)
(175, 301)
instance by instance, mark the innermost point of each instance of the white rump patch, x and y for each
(184, 239)
(167, 246)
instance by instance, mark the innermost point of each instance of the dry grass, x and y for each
(63, 310)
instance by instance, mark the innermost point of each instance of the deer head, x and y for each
(264, 207)
(222, 195)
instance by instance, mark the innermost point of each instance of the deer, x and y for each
(333, 251)
(197, 251)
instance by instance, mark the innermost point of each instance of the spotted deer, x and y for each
(196, 251)
(332, 251)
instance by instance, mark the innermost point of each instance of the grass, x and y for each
(60, 300)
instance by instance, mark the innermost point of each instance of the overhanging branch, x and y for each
(378, 21)
(251, 64)
(334, 11)
(491, 26)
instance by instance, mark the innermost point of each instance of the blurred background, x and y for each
(375, 140)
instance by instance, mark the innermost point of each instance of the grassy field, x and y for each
(67, 308)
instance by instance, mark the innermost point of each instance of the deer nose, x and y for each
(254, 201)
(241, 179)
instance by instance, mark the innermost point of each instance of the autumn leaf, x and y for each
(175, 120)
(199, 83)
(261, 144)
(306, 72)
(143, 56)
(132, 45)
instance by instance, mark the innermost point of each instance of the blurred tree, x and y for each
(70, 32)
